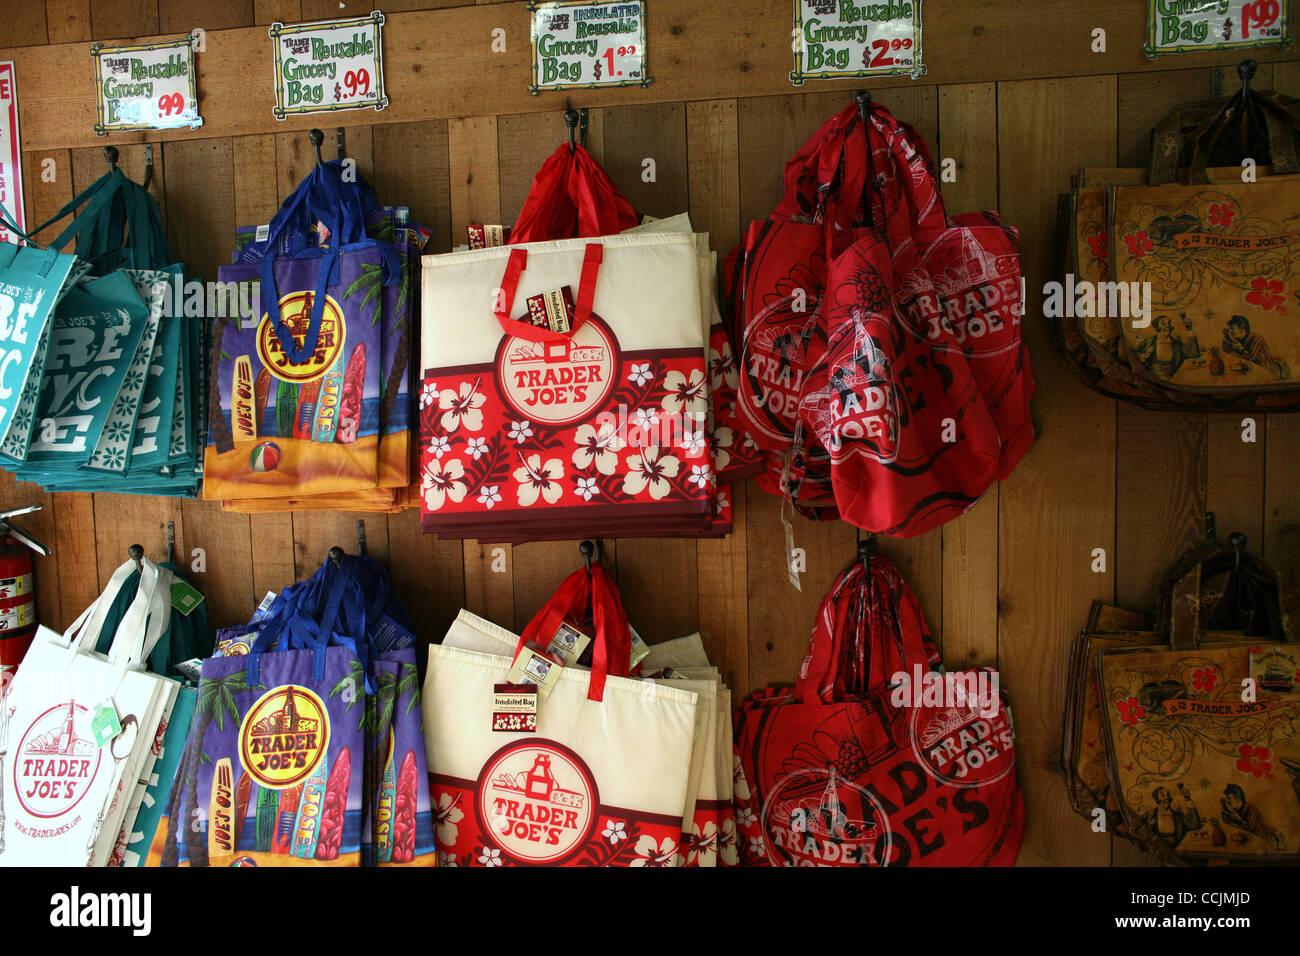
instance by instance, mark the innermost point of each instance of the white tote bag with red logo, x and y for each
(64, 798)
(535, 423)
(601, 782)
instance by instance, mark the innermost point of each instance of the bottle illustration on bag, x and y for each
(539, 783)
(1216, 362)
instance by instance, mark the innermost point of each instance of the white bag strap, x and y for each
(146, 620)
(84, 631)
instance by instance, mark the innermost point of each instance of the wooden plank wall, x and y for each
(1008, 584)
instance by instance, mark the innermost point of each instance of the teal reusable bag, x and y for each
(96, 331)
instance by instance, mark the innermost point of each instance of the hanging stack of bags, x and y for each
(1175, 281)
(575, 744)
(576, 376)
(876, 756)
(95, 721)
(104, 392)
(306, 747)
(883, 372)
(309, 402)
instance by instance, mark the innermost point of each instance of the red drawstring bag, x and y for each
(572, 197)
(834, 772)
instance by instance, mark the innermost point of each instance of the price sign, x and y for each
(329, 65)
(838, 38)
(11, 167)
(588, 44)
(1185, 26)
(149, 86)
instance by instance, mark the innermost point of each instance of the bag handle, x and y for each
(611, 650)
(515, 266)
(146, 620)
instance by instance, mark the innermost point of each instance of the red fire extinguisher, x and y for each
(17, 588)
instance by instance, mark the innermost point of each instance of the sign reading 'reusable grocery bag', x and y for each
(329, 65)
(840, 38)
(1195, 26)
(588, 44)
(146, 86)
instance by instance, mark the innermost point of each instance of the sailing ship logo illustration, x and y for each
(814, 817)
(284, 737)
(56, 761)
(558, 381)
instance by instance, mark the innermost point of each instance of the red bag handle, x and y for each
(612, 643)
(572, 197)
(515, 267)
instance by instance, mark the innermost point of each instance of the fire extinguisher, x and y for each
(17, 588)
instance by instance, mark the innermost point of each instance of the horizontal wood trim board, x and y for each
(439, 64)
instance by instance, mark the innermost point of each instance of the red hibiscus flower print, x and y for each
(1255, 761)
(1097, 245)
(1139, 244)
(1204, 678)
(1267, 293)
(1131, 710)
(1221, 214)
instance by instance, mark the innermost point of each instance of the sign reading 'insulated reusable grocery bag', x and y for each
(147, 86)
(839, 38)
(329, 65)
(11, 166)
(1189, 26)
(588, 44)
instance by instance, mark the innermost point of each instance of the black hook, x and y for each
(317, 138)
(1210, 535)
(148, 164)
(336, 555)
(590, 551)
(110, 156)
(1246, 72)
(571, 119)
(863, 99)
(338, 140)
(1238, 542)
(866, 548)
(361, 536)
(137, 555)
(171, 542)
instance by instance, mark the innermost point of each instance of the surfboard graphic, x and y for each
(327, 404)
(307, 825)
(243, 405)
(268, 811)
(221, 818)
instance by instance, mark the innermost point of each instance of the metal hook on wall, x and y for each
(137, 555)
(866, 548)
(111, 156)
(317, 138)
(1238, 542)
(576, 121)
(171, 542)
(361, 536)
(148, 164)
(590, 551)
(339, 141)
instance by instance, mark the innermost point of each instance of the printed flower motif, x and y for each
(489, 495)
(587, 488)
(477, 447)
(438, 446)
(745, 817)
(445, 816)
(727, 843)
(685, 396)
(442, 482)
(1204, 678)
(645, 418)
(1097, 246)
(723, 501)
(1131, 710)
(461, 409)
(1222, 213)
(755, 846)
(649, 470)
(722, 367)
(447, 859)
(487, 856)
(614, 831)
(521, 430)
(739, 782)
(650, 853)
(701, 475)
(1255, 761)
(1139, 244)
(537, 479)
(693, 442)
(640, 374)
(1268, 294)
(700, 843)
(429, 394)
(597, 447)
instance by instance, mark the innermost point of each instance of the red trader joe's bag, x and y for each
(850, 768)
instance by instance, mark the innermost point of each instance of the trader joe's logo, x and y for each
(284, 737)
(56, 761)
(964, 746)
(295, 316)
(816, 817)
(559, 381)
(537, 800)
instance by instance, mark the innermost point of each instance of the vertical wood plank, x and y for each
(1235, 475)
(1059, 504)
(410, 168)
(182, 16)
(123, 19)
(23, 25)
(67, 21)
(277, 11)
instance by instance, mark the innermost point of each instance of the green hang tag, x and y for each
(185, 597)
(105, 725)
